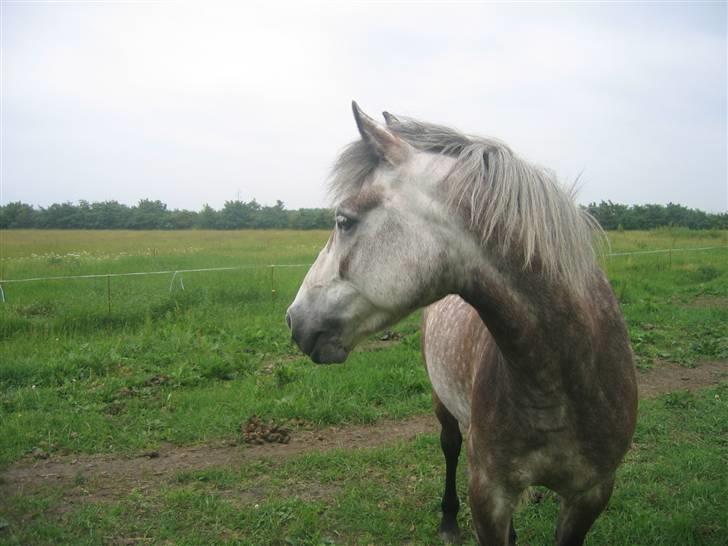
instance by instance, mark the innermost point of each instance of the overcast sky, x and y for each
(203, 102)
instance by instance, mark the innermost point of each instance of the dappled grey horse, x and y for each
(523, 339)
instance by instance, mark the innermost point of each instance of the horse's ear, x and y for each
(390, 119)
(387, 145)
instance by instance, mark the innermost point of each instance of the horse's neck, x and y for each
(538, 324)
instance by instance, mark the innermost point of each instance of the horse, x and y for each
(524, 342)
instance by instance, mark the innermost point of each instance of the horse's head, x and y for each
(388, 253)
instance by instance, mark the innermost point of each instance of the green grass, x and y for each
(181, 366)
(188, 365)
(676, 304)
(78, 375)
(671, 490)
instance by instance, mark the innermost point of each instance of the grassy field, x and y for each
(125, 364)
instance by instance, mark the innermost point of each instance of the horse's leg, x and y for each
(450, 441)
(492, 506)
(578, 513)
(492, 498)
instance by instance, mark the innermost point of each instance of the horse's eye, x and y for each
(344, 223)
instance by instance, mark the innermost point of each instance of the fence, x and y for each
(178, 273)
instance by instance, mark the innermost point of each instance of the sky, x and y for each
(203, 102)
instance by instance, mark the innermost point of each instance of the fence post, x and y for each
(108, 293)
(273, 280)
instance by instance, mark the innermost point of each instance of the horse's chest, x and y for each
(540, 447)
(559, 466)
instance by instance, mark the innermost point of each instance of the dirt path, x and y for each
(98, 477)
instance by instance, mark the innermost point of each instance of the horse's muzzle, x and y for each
(323, 345)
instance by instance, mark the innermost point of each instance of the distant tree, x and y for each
(58, 215)
(273, 217)
(208, 218)
(719, 221)
(311, 219)
(109, 215)
(150, 214)
(17, 215)
(239, 215)
(183, 219)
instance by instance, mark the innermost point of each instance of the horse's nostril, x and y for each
(288, 319)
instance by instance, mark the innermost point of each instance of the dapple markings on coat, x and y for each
(524, 341)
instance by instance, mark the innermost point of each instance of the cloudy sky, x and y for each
(203, 102)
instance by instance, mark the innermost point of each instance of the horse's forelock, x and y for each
(353, 167)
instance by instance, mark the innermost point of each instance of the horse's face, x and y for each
(385, 257)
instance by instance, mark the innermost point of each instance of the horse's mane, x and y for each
(505, 199)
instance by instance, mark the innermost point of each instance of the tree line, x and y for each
(148, 214)
(618, 216)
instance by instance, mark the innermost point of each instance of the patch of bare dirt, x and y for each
(668, 377)
(105, 477)
(99, 477)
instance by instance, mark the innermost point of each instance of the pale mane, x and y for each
(504, 199)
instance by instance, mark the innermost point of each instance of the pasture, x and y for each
(122, 400)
